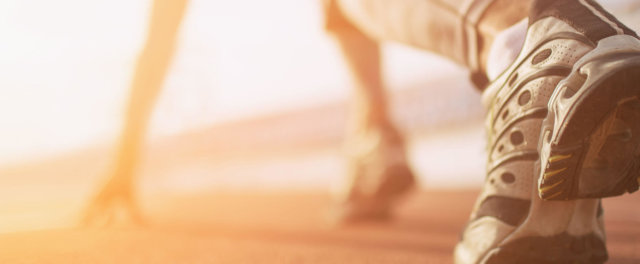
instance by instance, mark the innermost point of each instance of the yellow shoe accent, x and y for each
(559, 158)
(552, 173)
(553, 195)
(546, 188)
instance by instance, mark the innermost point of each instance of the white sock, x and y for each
(505, 48)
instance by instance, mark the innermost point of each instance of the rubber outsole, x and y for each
(561, 248)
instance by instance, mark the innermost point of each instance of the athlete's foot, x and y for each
(510, 222)
(378, 176)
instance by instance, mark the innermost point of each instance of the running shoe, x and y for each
(510, 223)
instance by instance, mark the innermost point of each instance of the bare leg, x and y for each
(377, 167)
(378, 171)
(119, 191)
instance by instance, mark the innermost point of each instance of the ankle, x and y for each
(505, 49)
(499, 16)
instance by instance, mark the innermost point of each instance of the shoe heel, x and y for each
(582, 154)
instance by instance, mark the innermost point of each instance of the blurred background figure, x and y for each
(248, 98)
(377, 167)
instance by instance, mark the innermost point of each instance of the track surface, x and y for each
(285, 228)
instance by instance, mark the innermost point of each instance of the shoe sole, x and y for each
(561, 248)
(590, 143)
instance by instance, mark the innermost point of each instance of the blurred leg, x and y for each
(377, 168)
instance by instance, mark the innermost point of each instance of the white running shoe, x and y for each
(510, 223)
